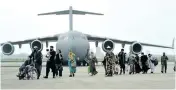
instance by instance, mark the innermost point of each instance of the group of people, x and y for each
(120, 63)
(54, 62)
(111, 63)
(35, 59)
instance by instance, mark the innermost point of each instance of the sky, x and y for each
(148, 21)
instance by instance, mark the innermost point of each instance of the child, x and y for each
(116, 68)
(48, 54)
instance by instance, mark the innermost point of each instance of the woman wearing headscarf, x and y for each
(110, 64)
(92, 62)
(131, 63)
(137, 66)
(72, 63)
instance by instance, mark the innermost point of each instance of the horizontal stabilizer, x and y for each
(68, 11)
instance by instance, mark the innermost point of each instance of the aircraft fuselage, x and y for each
(76, 41)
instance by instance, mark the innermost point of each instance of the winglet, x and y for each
(173, 43)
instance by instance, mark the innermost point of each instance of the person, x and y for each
(131, 63)
(72, 63)
(104, 62)
(137, 66)
(92, 62)
(48, 54)
(59, 61)
(174, 66)
(116, 70)
(37, 59)
(50, 64)
(110, 64)
(151, 62)
(144, 61)
(22, 69)
(164, 60)
(121, 56)
(126, 63)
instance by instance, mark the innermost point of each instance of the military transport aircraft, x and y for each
(77, 41)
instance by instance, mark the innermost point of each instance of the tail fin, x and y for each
(173, 43)
(70, 12)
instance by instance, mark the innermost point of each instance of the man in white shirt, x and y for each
(151, 61)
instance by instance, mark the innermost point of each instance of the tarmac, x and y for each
(83, 80)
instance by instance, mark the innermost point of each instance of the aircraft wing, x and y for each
(43, 39)
(101, 39)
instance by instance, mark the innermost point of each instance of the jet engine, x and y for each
(136, 48)
(8, 49)
(37, 43)
(108, 45)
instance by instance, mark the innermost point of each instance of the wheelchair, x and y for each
(29, 73)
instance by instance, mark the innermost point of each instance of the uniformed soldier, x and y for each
(51, 63)
(37, 58)
(164, 59)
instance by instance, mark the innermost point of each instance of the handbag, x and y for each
(73, 65)
(88, 69)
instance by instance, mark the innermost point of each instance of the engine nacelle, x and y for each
(8, 49)
(136, 48)
(108, 45)
(37, 43)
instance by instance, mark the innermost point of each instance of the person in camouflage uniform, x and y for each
(164, 59)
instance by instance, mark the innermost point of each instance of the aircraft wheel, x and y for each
(84, 63)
